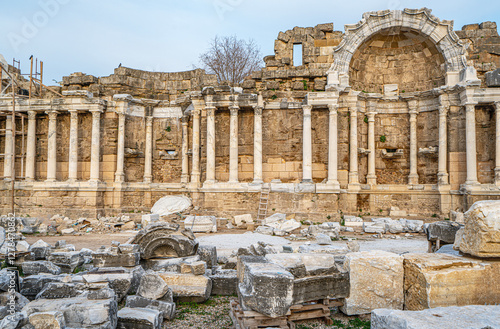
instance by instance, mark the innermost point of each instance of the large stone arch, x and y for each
(440, 32)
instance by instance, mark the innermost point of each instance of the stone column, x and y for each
(497, 141)
(31, 147)
(443, 177)
(210, 145)
(470, 137)
(413, 111)
(7, 164)
(353, 146)
(96, 146)
(148, 154)
(185, 147)
(333, 145)
(120, 150)
(233, 145)
(257, 145)
(52, 146)
(195, 170)
(73, 147)
(371, 177)
(307, 145)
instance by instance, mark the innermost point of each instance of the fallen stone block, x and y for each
(198, 268)
(47, 320)
(441, 280)
(67, 261)
(323, 239)
(325, 249)
(139, 318)
(167, 309)
(465, 317)
(412, 225)
(33, 284)
(40, 250)
(316, 276)
(376, 279)
(394, 227)
(374, 227)
(444, 231)
(161, 240)
(264, 230)
(119, 282)
(208, 254)
(481, 234)
(149, 219)
(170, 205)
(492, 78)
(79, 312)
(55, 290)
(19, 301)
(107, 259)
(266, 288)
(40, 266)
(278, 217)
(22, 246)
(168, 264)
(14, 321)
(201, 224)
(224, 282)
(188, 287)
(152, 286)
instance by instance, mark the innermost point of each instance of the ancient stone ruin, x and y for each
(383, 128)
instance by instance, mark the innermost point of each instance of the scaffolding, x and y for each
(9, 82)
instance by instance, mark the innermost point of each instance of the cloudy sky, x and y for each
(95, 36)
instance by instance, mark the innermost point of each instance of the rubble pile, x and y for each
(138, 283)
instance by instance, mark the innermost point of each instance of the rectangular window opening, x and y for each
(297, 54)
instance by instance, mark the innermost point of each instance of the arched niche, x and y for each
(420, 21)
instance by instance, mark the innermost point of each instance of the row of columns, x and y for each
(443, 177)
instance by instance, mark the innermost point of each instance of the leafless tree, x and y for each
(231, 59)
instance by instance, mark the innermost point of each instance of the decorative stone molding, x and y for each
(421, 20)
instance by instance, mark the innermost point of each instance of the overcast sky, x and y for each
(95, 36)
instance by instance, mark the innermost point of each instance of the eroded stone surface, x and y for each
(139, 318)
(376, 279)
(440, 280)
(465, 317)
(481, 234)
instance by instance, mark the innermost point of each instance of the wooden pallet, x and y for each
(254, 320)
(313, 310)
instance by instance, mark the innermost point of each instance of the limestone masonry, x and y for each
(399, 110)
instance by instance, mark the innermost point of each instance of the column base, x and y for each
(257, 182)
(470, 186)
(147, 180)
(49, 180)
(497, 177)
(119, 178)
(353, 187)
(209, 183)
(305, 187)
(412, 179)
(307, 181)
(443, 178)
(185, 178)
(195, 178)
(233, 182)
(371, 180)
(71, 180)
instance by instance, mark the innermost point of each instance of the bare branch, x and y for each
(231, 59)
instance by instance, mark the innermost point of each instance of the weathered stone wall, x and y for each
(427, 137)
(484, 46)
(397, 57)
(138, 83)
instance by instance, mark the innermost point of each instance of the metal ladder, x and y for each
(263, 202)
